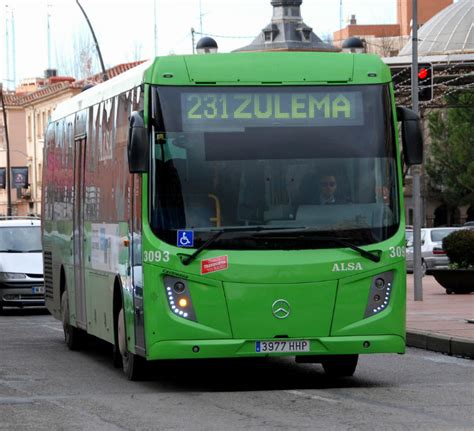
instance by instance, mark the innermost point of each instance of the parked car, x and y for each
(432, 254)
(21, 263)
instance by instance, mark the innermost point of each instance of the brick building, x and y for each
(387, 40)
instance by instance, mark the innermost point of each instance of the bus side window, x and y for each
(168, 196)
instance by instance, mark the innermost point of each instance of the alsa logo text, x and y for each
(347, 266)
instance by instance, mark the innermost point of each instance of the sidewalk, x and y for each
(440, 321)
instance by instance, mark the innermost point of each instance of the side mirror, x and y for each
(412, 137)
(138, 147)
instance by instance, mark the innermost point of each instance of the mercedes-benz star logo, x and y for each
(281, 309)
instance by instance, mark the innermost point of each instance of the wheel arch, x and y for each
(62, 282)
(118, 303)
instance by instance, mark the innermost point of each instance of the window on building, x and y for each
(39, 174)
(29, 132)
(38, 125)
(43, 128)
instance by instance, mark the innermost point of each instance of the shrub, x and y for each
(459, 247)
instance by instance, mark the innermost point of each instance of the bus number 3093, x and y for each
(156, 256)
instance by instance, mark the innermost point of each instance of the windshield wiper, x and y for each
(191, 257)
(10, 250)
(343, 241)
(374, 257)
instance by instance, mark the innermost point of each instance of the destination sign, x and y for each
(237, 110)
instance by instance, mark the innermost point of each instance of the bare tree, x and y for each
(82, 62)
(386, 46)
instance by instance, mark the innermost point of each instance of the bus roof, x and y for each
(243, 68)
(269, 68)
(125, 81)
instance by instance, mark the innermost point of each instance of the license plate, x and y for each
(37, 289)
(282, 346)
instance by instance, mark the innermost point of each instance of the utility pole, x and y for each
(192, 39)
(48, 15)
(155, 29)
(7, 44)
(200, 16)
(416, 169)
(13, 50)
(7, 142)
(340, 15)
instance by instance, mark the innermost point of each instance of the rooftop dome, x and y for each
(448, 32)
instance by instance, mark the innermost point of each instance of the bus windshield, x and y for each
(303, 159)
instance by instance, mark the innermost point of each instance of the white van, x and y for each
(21, 263)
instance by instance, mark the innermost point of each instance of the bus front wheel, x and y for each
(131, 363)
(340, 365)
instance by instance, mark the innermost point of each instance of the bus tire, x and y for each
(116, 357)
(73, 336)
(132, 364)
(340, 365)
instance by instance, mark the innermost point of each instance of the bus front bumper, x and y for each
(207, 349)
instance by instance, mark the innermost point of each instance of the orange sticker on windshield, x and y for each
(214, 264)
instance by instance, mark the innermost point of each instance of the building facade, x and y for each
(28, 111)
(19, 158)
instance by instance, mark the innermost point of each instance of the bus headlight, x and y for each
(179, 298)
(379, 294)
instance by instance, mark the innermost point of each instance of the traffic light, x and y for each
(425, 82)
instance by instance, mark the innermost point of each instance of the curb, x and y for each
(453, 346)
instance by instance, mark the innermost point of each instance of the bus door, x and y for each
(135, 229)
(78, 230)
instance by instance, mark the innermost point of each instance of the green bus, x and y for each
(231, 205)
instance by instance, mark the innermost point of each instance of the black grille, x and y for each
(48, 274)
(23, 297)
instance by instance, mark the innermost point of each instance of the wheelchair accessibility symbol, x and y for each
(185, 238)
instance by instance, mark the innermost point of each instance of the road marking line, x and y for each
(312, 397)
(14, 401)
(54, 329)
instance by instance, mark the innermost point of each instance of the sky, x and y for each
(125, 30)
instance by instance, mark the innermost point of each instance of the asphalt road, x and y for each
(44, 386)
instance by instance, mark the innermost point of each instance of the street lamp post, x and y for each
(416, 170)
(105, 77)
(7, 142)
